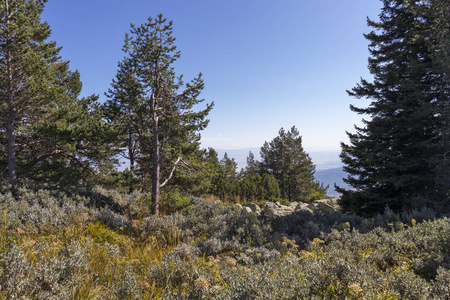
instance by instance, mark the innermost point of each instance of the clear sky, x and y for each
(267, 64)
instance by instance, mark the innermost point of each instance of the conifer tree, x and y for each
(47, 133)
(122, 110)
(27, 65)
(166, 124)
(252, 165)
(439, 13)
(225, 182)
(390, 159)
(286, 160)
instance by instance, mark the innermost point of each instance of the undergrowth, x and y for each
(99, 244)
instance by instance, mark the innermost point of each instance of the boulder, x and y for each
(279, 210)
(304, 208)
(312, 206)
(326, 207)
(284, 211)
(247, 209)
(237, 205)
(331, 201)
(254, 207)
(271, 205)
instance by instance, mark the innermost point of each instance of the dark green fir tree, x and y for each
(27, 64)
(392, 159)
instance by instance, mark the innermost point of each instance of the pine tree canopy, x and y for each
(285, 159)
(153, 109)
(48, 134)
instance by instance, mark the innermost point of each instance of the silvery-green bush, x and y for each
(51, 278)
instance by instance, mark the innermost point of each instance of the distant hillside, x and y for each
(331, 177)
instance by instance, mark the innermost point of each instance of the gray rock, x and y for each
(285, 212)
(254, 207)
(270, 205)
(248, 209)
(301, 205)
(238, 205)
(331, 201)
(326, 207)
(279, 210)
(304, 208)
(312, 206)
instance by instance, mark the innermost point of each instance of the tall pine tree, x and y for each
(27, 65)
(123, 110)
(162, 105)
(47, 133)
(390, 160)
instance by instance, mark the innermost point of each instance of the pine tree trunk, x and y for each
(11, 145)
(131, 156)
(11, 110)
(156, 166)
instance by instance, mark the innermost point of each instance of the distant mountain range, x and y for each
(328, 165)
(331, 177)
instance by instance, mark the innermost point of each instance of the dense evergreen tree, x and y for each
(166, 125)
(122, 110)
(286, 160)
(253, 166)
(47, 133)
(28, 65)
(72, 144)
(392, 159)
(439, 13)
(270, 189)
(225, 183)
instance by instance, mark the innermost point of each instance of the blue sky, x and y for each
(266, 64)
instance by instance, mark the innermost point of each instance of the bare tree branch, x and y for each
(180, 161)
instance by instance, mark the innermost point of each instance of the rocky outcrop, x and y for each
(253, 208)
(304, 207)
(276, 209)
(327, 205)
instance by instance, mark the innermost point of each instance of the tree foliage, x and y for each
(393, 159)
(47, 133)
(285, 159)
(245, 185)
(153, 108)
